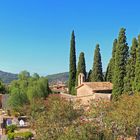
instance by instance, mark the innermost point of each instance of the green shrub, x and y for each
(11, 128)
(24, 135)
(11, 136)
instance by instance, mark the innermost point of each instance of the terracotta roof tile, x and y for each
(99, 85)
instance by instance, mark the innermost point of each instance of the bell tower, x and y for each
(81, 78)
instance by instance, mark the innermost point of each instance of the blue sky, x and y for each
(35, 34)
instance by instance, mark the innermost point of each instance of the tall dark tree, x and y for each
(89, 76)
(81, 66)
(110, 68)
(108, 74)
(137, 68)
(97, 74)
(120, 64)
(72, 67)
(130, 68)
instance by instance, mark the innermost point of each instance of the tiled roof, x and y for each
(98, 86)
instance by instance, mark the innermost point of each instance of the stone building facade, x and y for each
(90, 91)
(87, 91)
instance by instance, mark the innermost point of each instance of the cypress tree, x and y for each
(130, 68)
(97, 74)
(137, 68)
(72, 66)
(81, 66)
(108, 74)
(89, 76)
(110, 68)
(120, 64)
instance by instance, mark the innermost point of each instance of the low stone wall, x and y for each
(85, 100)
(106, 96)
(68, 96)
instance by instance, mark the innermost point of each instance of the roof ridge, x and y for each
(95, 82)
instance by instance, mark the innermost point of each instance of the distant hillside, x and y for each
(7, 77)
(60, 77)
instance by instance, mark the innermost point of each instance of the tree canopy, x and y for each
(120, 64)
(97, 74)
(26, 89)
(81, 66)
(137, 69)
(110, 68)
(72, 66)
(130, 68)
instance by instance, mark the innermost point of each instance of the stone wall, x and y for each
(84, 91)
(83, 100)
(86, 99)
(106, 96)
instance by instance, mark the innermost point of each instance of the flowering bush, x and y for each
(123, 119)
(60, 119)
(55, 118)
(118, 118)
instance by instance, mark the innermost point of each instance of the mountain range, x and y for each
(60, 77)
(8, 77)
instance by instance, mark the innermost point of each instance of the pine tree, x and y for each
(120, 64)
(72, 67)
(137, 68)
(81, 66)
(130, 68)
(110, 68)
(97, 74)
(89, 76)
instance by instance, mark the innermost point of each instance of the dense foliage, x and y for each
(97, 74)
(72, 67)
(20, 135)
(110, 68)
(26, 89)
(60, 119)
(130, 68)
(120, 64)
(81, 66)
(89, 76)
(123, 69)
(137, 69)
(3, 88)
(11, 128)
(51, 118)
